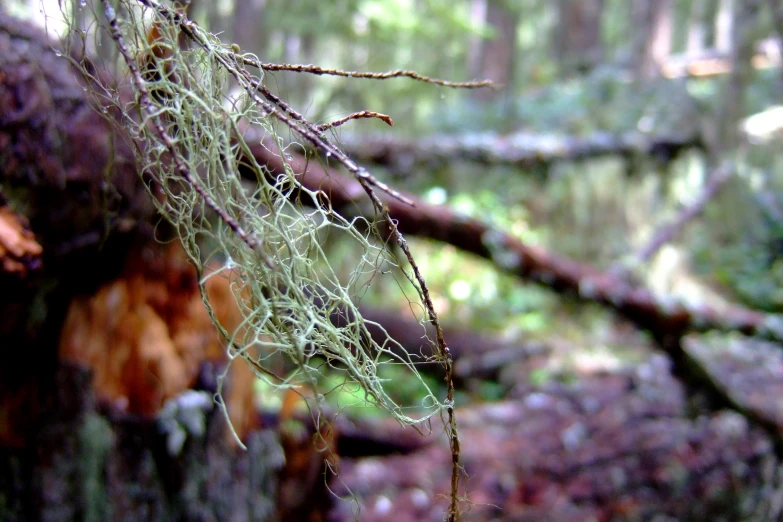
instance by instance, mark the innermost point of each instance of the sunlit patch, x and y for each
(436, 196)
(460, 290)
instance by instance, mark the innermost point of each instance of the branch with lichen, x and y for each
(270, 244)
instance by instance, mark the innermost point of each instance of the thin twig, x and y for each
(355, 116)
(310, 132)
(314, 69)
(669, 231)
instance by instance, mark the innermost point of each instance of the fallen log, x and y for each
(666, 320)
(524, 150)
(661, 316)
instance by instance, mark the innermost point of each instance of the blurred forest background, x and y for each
(612, 117)
(615, 326)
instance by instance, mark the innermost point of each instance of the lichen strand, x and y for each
(267, 244)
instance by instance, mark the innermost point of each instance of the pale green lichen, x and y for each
(271, 246)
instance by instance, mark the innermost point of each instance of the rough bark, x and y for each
(92, 465)
(62, 456)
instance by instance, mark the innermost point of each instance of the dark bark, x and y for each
(60, 457)
(86, 464)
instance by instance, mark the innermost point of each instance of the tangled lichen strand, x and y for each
(188, 142)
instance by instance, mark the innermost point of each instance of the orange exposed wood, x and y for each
(19, 252)
(146, 334)
(712, 66)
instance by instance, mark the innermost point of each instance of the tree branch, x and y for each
(659, 316)
(666, 233)
(521, 149)
(666, 320)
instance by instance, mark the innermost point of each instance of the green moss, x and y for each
(95, 442)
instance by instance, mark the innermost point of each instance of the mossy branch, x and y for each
(189, 143)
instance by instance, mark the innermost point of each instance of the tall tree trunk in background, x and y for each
(249, 28)
(697, 33)
(744, 34)
(578, 37)
(724, 21)
(216, 21)
(776, 7)
(498, 54)
(478, 13)
(652, 45)
(298, 47)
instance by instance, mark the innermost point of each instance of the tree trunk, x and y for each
(497, 54)
(652, 44)
(742, 23)
(86, 464)
(64, 455)
(697, 34)
(578, 37)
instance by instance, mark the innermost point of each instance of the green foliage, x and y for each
(749, 263)
(313, 17)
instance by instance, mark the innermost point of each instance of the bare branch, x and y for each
(522, 149)
(355, 116)
(314, 69)
(668, 232)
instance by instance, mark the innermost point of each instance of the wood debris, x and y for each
(20, 254)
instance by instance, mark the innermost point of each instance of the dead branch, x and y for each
(713, 63)
(318, 71)
(657, 315)
(521, 149)
(669, 231)
(668, 321)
